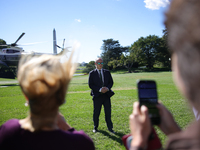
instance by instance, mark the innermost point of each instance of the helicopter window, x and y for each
(9, 51)
(15, 51)
(12, 51)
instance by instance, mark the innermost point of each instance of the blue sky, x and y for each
(85, 21)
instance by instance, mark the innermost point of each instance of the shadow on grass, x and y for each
(78, 83)
(6, 85)
(116, 137)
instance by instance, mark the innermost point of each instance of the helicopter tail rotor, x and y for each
(63, 45)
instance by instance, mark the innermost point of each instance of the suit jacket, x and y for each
(94, 82)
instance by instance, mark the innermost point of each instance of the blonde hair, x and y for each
(43, 78)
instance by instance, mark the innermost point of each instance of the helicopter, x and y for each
(10, 56)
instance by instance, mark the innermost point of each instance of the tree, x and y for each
(163, 53)
(126, 61)
(136, 55)
(111, 51)
(2, 42)
(90, 66)
(113, 63)
(147, 49)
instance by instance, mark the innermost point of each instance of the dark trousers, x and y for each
(104, 100)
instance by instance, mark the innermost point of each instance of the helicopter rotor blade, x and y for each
(58, 46)
(63, 44)
(15, 44)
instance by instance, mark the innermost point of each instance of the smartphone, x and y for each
(147, 95)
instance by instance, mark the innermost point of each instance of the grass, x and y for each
(79, 106)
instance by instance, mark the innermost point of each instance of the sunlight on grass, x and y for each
(78, 109)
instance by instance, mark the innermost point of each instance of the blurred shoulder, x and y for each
(92, 71)
(9, 129)
(106, 70)
(79, 138)
(11, 124)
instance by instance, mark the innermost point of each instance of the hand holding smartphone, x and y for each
(147, 95)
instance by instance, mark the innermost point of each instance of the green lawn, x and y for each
(79, 106)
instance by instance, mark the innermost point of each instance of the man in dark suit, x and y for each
(101, 82)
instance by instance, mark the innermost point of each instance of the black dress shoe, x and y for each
(112, 131)
(95, 130)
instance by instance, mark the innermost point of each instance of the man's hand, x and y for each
(104, 89)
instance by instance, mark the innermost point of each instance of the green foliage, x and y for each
(78, 109)
(114, 63)
(2, 42)
(136, 54)
(90, 66)
(163, 53)
(150, 51)
(91, 63)
(128, 61)
(111, 51)
(147, 47)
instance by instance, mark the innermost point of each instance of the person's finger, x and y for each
(136, 108)
(144, 110)
(160, 107)
(131, 117)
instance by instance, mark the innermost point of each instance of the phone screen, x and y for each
(147, 94)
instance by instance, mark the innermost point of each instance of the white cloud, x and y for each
(156, 4)
(78, 20)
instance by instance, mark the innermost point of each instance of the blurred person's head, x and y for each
(44, 81)
(183, 25)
